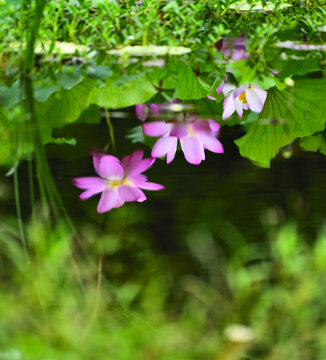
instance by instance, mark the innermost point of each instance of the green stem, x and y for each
(19, 216)
(111, 130)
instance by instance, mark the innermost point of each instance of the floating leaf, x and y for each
(135, 91)
(67, 48)
(9, 97)
(314, 143)
(42, 93)
(70, 77)
(188, 86)
(297, 67)
(65, 106)
(243, 6)
(98, 72)
(295, 45)
(287, 115)
(150, 50)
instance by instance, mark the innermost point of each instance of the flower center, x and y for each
(242, 97)
(113, 183)
(191, 132)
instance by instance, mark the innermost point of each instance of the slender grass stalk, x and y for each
(47, 186)
(111, 130)
(19, 215)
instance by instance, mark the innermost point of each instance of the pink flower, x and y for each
(142, 110)
(195, 136)
(244, 97)
(119, 182)
(220, 88)
(234, 48)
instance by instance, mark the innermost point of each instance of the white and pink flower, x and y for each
(143, 110)
(195, 135)
(244, 97)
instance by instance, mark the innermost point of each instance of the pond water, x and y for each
(151, 196)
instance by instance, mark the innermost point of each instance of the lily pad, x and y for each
(295, 45)
(124, 92)
(67, 48)
(287, 115)
(243, 6)
(150, 50)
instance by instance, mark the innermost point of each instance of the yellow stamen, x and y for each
(242, 96)
(111, 183)
(190, 130)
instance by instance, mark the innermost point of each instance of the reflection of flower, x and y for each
(244, 97)
(156, 108)
(234, 48)
(119, 182)
(220, 88)
(195, 135)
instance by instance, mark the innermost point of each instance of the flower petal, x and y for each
(110, 167)
(129, 193)
(141, 112)
(171, 153)
(228, 106)
(221, 86)
(88, 182)
(179, 130)
(211, 143)
(96, 161)
(227, 88)
(134, 164)
(156, 128)
(193, 150)
(155, 108)
(92, 185)
(150, 186)
(254, 101)
(163, 146)
(142, 196)
(262, 94)
(109, 199)
(201, 125)
(215, 126)
(238, 91)
(238, 106)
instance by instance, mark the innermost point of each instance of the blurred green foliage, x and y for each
(78, 297)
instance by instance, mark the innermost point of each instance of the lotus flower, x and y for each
(119, 182)
(195, 135)
(142, 110)
(234, 48)
(244, 97)
(220, 88)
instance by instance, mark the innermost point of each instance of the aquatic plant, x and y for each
(244, 97)
(143, 110)
(119, 182)
(195, 135)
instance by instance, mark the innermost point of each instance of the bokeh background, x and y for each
(228, 262)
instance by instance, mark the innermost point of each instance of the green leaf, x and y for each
(136, 91)
(298, 67)
(9, 97)
(65, 106)
(98, 72)
(287, 115)
(70, 77)
(188, 85)
(42, 93)
(314, 143)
